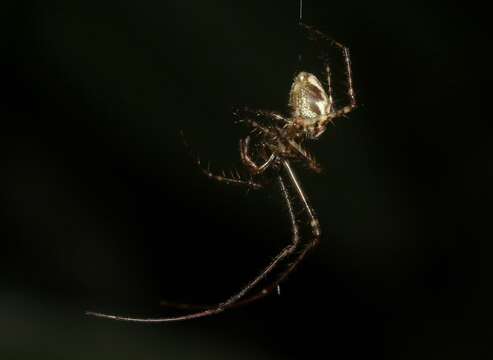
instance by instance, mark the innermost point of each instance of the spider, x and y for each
(278, 143)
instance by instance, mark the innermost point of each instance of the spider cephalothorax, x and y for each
(276, 141)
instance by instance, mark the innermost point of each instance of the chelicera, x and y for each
(275, 142)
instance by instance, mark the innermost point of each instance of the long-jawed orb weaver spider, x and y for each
(278, 142)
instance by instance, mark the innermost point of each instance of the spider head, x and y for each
(310, 105)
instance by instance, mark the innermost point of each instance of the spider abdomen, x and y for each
(308, 99)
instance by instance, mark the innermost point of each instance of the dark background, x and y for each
(104, 209)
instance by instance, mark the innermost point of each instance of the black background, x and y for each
(106, 211)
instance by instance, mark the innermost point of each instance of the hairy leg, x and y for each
(233, 178)
(304, 249)
(259, 113)
(285, 252)
(349, 73)
(247, 160)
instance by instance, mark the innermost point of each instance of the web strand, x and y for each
(299, 22)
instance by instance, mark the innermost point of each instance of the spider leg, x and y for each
(228, 180)
(234, 180)
(257, 127)
(329, 87)
(312, 162)
(266, 113)
(274, 133)
(256, 169)
(349, 73)
(248, 162)
(349, 77)
(285, 252)
(314, 225)
(316, 232)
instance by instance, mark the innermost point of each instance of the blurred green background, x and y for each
(104, 210)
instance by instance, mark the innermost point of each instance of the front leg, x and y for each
(247, 160)
(238, 296)
(349, 74)
(233, 179)
(259, 113)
